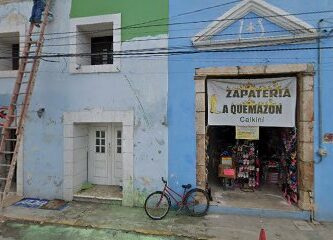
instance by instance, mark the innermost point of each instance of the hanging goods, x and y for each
(19, 104)
(291, 185)
(246, 156)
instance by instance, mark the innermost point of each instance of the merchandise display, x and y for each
(246, 158)
(291, 184)
(253, 165)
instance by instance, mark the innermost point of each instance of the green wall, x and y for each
(133, 12)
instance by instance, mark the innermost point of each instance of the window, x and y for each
(100, 142)
(119, 141)
(10, 50)
(101, 50)
(95, 43)
(15, 56)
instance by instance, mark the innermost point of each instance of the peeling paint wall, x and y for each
(58, 91)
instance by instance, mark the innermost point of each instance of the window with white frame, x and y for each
(96, 40)
(9, 52)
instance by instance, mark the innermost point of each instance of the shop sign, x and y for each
(247, 132)
(252, 102)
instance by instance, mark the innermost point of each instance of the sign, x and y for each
(246, 132)
(252, 102)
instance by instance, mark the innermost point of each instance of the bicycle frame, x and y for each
(173, 194)
(194, 200)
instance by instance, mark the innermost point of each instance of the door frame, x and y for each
(305, 117)
(94, 116)
(110, 149)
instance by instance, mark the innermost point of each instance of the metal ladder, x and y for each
(19, 104)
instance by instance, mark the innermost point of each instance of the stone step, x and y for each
(112, 201)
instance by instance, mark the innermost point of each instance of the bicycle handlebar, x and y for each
(164, 181)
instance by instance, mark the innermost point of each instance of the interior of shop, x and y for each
(258, 173)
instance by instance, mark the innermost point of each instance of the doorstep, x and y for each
(94, 199)
(261, 212)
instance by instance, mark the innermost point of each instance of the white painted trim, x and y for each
(302, 30)
(256, 42)
(8, 74)
(115, 20)
(99, 116)
(10, 28)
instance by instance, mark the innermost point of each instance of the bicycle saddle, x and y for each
(188, 186)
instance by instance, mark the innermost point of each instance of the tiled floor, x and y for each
(267, 197)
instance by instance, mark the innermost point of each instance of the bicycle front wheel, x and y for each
(197, 202)
(157, 205)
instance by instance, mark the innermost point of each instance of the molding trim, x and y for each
(305, 118)
(112, 20)
(302, 31)
(71, 119)
(9, 28)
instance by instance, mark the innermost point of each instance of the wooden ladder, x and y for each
(19, 104)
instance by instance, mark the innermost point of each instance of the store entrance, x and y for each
(253, 173)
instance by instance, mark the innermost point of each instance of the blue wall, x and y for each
(58, 91)
(4, 100)
(181, 100)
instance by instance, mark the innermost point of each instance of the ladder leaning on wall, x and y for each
(19, 104)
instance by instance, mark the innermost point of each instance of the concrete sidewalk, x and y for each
(212, 226)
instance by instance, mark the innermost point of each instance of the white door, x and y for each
(105, 155)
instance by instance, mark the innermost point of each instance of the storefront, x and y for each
(252, 131)
(252, 39)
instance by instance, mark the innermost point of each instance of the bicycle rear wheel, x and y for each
(197, 202)
(157, 205)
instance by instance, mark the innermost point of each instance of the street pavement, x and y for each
(104, 217)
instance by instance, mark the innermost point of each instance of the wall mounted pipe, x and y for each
(321, 151)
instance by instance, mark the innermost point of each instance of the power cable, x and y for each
(154, 20)
(166, 53)
(178, 23)
(170, 38)
(196, 22)
(191, 46)
(151, 50)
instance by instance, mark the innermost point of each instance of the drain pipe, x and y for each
(321, 151)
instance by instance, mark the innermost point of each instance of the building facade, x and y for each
(101, 115)
(227, 40)
(122, 95)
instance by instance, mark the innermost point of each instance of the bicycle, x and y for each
(195, 201)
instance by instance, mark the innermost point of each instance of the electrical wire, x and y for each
(175, 53)
(170, 50)
(154, 20)
(171, 38)
(139, 26)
